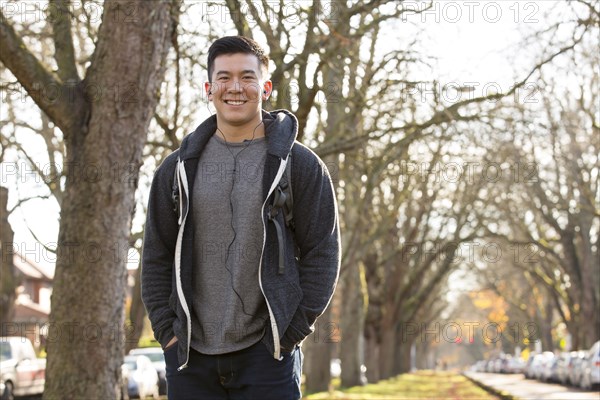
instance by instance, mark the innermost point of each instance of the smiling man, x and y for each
(231, 285)
(237, 90)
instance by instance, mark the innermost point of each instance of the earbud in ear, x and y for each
(265, 92)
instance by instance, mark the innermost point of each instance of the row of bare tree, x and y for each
(352, 73)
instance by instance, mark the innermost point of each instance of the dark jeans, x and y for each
(249, 374)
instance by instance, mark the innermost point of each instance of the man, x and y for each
(231, 290)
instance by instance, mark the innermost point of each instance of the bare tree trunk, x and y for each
(318, 357)
(423, 351)
(402, 361)
(388, 350)
(352, 325)
(373, 319)
(104, 149)
(137, 312)
(371, 354)
(589, 303)
(7, 269)
(547, 343)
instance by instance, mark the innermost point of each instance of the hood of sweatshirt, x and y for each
(281, 130)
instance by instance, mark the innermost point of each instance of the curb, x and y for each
(502, 394)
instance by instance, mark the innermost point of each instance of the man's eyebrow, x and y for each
(246, 71)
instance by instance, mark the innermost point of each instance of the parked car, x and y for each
(157, 356)
(590, 368)
(549, 372)
(528, 370)
(575, 368)
(501, 365)
(497, 365)
(491, 365)
(563, 365)
(515, 365)
(479, 366)
(539, 364)
(141, 377)
(21, 371)
(335, 368)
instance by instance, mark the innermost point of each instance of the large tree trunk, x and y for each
(388, 350)
(402, 361)
(373, 319)
(589, 272)
(546, 328)
(86, 337)
(372, 354)
(318, 357)
(7, 271)
(137, 312)
(352, 325)
(423, 356)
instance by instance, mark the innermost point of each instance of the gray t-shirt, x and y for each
(229, 310)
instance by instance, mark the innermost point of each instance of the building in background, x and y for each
(32, 304)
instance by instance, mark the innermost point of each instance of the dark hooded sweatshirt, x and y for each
(296, 296)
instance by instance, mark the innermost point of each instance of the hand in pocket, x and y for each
(172, 342)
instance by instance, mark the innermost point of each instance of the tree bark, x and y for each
(318, 356)
(137, 312)
(373, 320)
(372, 354)
(589, 302)
(352, 326)
(104, 119)
(402, 360)
(7, 269)
(547, 342)
(388, 350)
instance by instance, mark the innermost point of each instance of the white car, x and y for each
(335, 368)
(515, 365)
(142, 378)
(550, 373)
(539, 363)
(590, 368)
(575, 366)
(21, 372)
(157, 356)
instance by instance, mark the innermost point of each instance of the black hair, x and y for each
(232, 45)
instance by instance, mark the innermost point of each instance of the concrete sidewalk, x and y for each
(526, 389)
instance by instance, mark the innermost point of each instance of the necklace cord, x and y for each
(235, 156)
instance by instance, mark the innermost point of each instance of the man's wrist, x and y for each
(171, 342)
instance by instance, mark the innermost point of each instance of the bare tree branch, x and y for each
(43, 86)
(241, 24)
(26, 199)
(64, 54)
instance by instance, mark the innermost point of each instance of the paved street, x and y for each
(528, 389)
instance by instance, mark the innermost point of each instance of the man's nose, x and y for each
(234, 86)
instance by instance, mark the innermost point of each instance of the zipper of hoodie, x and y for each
(277, 347)
(183, 185)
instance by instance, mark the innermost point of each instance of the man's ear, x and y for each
(208, 90)
(267, 89)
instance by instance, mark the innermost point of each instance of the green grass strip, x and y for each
(419, 385)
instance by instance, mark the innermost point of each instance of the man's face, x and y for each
(236, 90)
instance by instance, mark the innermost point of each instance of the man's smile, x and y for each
(234, 102)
